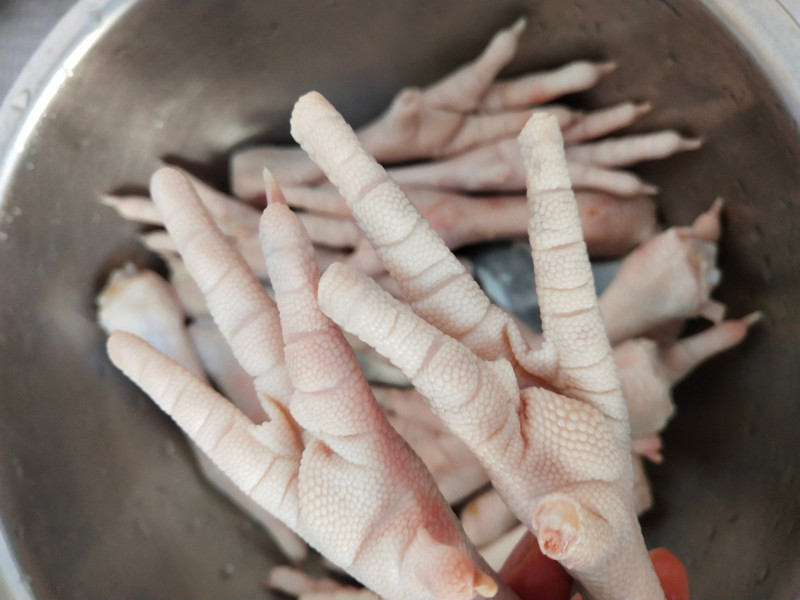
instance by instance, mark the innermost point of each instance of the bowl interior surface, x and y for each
(100, 496)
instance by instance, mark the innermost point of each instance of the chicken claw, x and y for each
(558, 452)
(326, 462)
(668, 278)
(649, 370)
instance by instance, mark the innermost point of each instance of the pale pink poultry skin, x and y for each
(339, 476)
(468, 120)
(570, 453)
(647, 371)
(463, 129)
(464, 110)
(484, 158)
(666, 280)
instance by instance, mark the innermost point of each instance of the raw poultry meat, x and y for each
(571, 478)
(556, 507)
(442, 190)
(341, 477)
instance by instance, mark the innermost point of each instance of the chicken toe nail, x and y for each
(706, 227)
(557, 522)
(449, 573)
(753, 318)
(274, 192)
(643, 108)
(608, 67)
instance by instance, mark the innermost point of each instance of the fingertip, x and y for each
(531, 574)
(671, 574)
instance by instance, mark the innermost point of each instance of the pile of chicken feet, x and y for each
(557, 423)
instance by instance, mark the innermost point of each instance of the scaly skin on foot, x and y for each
(326, 463)
(565, 495)
(557, 451)
(649, 370)
(469, 137)
(142, 303)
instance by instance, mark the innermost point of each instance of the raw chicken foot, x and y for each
(326, 463)
(665, 281)
(143, 303)
(647, 370)
(611, 225)
(562, 462)
(562, 493)
(498, 166)
(466, 109)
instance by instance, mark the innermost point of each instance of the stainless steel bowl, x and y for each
(98, 493)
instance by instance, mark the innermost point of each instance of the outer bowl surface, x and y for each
(99, 497)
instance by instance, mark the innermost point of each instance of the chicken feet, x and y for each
(326, 462)
(331, 467)
(549, 425)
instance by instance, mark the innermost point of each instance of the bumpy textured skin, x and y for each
(557, 451)
(326, 462)
(143, 303)
(452, 465)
